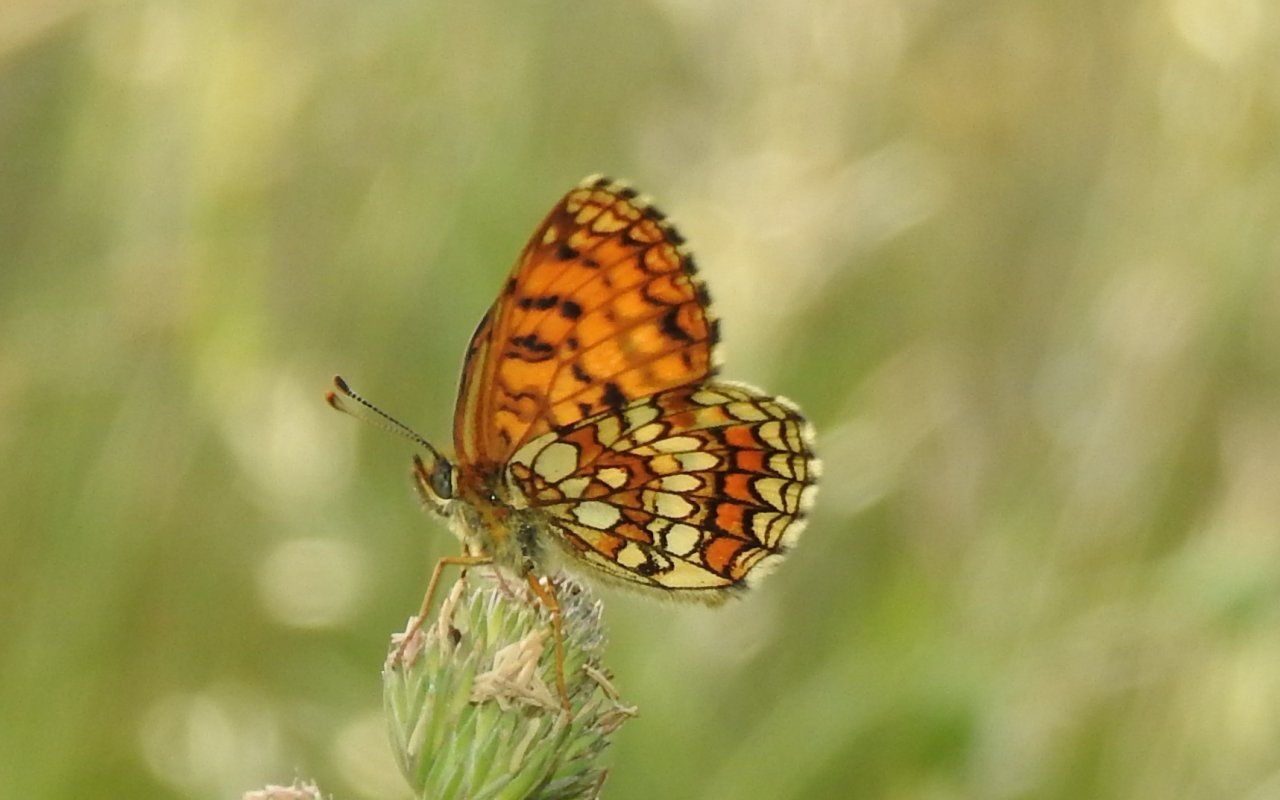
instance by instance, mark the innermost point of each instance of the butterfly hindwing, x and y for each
(694, 488)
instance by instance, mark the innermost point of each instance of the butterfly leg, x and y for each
(416, 625)
(548, 597)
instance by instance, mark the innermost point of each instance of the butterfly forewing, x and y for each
(602, 308)
(694, 488)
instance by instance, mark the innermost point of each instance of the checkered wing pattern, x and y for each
(602, 308)
(694, 490)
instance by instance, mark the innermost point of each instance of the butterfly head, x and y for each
(436, 481)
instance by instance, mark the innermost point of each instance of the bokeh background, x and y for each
(1019, 261)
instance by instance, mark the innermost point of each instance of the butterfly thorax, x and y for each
(492, 518)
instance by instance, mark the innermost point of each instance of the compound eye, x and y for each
(442, 480)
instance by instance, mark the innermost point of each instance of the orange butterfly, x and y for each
(589, 432)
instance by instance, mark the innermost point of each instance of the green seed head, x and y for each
(473, 704)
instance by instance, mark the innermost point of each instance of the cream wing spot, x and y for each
(609, 222)
(684, 575)
(697, 461)
(647, 433)
(763, 524)
(748, 412)
(682, 539)
(639, 415)
(556, 462)
(771, 434)
(613, 477)
(707, 397)
(657, 525)
(680, 482)
(574, 487)
(673, 444)
(525, 455)
(665, 465)
(781, 464)
(608, 431)
(710, 417)
(631, 556)
(792, 433)
(775, 492)
(672, 506)
(595, 514)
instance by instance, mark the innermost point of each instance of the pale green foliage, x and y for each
(1017, 261)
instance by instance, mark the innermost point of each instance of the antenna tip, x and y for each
(341, 384)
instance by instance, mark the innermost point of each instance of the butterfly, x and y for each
(590, 431)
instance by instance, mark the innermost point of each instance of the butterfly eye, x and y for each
(442, 480)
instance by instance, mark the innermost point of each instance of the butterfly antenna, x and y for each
(365, 411)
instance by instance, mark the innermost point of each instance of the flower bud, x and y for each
(472, 702)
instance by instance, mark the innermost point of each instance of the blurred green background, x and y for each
(1019, 261)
